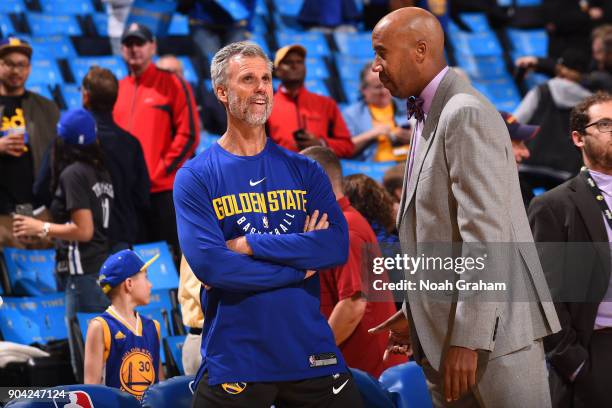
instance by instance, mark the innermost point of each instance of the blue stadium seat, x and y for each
(355, 44)
(314, 42)
(288, 7)
(66, 6)
(316, 68)
(351, 90)
(501, 92)
(482, 67)
(206, 140)
(476, 21)
(475, 44)
(260, 25)
(189, 70)
(534, 79)
(99, 396)
(45, 70)
(72, 95)
(504, 3)
(177, 392)
(83, 320)
(260, 40)
(100, 21)
(79, 66)
(55, 46)
(28, 320)
(30, 271)
(156, 15)
(12, 6)
(174, 345)
(179, 25)
(41, 89)
(6, 25)
(349, 67)
(162, 273)
(43, 25)
(374, 170)
(261, 8)
(372, 393)
(317, 86)
(528, 42)
(408, 381)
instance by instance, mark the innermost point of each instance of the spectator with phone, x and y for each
(27, 128)
(379, 126)
(81, 208)
(301, 118)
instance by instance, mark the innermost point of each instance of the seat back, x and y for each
(408, 381)
(30, 271)
(177, 392)
(372, 393)
(162, 273)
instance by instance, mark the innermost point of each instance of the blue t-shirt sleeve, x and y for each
(204, 246)
(309, 250)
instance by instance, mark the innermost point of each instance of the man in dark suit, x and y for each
(580, 355)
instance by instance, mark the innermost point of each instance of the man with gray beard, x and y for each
(254, 222)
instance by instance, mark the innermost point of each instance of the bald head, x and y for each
(409, 46)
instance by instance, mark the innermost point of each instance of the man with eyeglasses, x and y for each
(578, 212)
(27, 127)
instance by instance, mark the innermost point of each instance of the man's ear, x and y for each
(221, 93)
(578, 139)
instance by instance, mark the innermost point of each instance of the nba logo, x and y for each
(78, 399)
(265, 221)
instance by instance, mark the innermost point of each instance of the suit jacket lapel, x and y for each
(429, 129)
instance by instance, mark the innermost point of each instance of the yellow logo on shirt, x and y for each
(272, 201)
(137, 372)
(15, 121)
(119, 336)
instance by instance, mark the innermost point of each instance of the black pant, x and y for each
(332, 391)
(592, 385)
(161, 221)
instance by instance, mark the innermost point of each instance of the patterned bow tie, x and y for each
(415, 108)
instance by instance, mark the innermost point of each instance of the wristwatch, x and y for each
(45, 230)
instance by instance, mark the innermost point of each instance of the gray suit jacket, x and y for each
(464, 188)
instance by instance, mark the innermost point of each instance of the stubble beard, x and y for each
(239, 107)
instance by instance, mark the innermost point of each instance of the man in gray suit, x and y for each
(460, 187)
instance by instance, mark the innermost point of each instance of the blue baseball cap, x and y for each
(120, 266)
(14, 44)
(77, 127)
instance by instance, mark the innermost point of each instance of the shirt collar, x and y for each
(603, 181)
(430, 90)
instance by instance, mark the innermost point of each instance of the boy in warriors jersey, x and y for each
(122, 347)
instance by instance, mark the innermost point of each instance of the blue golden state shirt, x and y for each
(131, 355)
(262, 320)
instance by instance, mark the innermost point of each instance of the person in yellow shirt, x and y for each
(191, 309)
(378, 123)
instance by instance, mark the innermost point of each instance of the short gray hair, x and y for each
(218, 67)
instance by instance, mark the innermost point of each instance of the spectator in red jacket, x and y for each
(158, 108)
(347, 303)
(300, 118)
